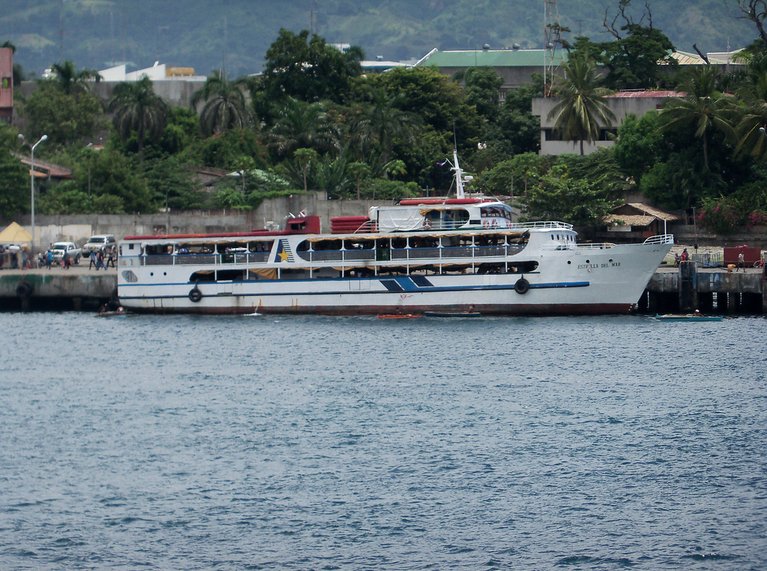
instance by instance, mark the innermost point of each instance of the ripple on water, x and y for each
(296, 443)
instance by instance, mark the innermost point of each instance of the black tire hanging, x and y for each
(195, 295)
(24, 289)
(521, 286)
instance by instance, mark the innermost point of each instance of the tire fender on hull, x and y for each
(24, 289)
(195, 295)
(521, 286)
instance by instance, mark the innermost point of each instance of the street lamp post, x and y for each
(32, 187)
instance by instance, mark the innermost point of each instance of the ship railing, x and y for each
(546, 224)
(660, 239)
(203, 259)
(351, 255)
(596, 246)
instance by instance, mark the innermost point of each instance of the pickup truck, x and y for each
(59, 248)
(98, 242)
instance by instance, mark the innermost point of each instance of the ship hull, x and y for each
(570, 282)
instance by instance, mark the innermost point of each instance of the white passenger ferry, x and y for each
(459, 254)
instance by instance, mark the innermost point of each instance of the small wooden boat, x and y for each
(687, 317)
(452, 314)
(399, 315)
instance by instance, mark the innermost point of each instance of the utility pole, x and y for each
(551, 40)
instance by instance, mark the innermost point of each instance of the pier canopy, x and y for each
(15, 234)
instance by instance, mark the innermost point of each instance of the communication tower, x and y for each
(552, 41)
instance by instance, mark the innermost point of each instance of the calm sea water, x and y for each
(356, 443)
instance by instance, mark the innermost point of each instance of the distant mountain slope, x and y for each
(236, 33)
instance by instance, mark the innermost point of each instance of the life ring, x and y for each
(24, 289)
(521, 286)
(195, 294)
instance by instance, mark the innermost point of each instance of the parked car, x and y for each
(98, 242)
(59, 248)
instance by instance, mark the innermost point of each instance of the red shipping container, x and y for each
(750, 254)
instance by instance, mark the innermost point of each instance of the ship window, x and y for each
(294, 274)
(261, 246)
(230, 275)
(327, 245)
(358, 244)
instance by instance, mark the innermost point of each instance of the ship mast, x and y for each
(458, 175)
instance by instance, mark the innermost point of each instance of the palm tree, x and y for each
(704, 109)
(300, 124)
(224, 106)
(750, 129)
(581, 111)
(70, 80)
(137, 108)
(380, 123)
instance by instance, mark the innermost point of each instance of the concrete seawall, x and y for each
(712, 290)
(56, 289)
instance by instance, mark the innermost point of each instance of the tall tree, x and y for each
(70, 80)
(639, 51)
(756, 11)
(379, 123)
(581, 110)
(137, 109)
(14, 197)
(65, 118)
(305, 67)
(703, 109)
(301, 124)
(224, 105)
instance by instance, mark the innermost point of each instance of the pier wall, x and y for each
(714, 290)
(55, 289)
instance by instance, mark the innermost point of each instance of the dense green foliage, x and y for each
(314, 122)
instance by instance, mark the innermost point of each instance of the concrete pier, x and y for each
(670, 290)
(56, 289)
(711, 290)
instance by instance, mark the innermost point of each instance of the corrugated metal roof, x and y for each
(687, 58)
(715, 58)
(46, 169)
(652, 211)
(629, 219)
(490, 58)
(645, 94)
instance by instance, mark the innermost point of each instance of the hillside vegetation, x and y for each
(235, 34)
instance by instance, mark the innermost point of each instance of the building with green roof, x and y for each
(515, 66)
